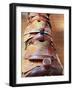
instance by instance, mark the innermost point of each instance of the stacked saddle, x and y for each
(38, 39)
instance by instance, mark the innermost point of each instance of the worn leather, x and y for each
(38, 39)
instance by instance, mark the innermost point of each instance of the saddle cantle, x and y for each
(39, 45)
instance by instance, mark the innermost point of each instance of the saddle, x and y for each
(38, 39)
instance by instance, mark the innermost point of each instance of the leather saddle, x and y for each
(39, 45)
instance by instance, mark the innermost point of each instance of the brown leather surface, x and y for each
(28, 65)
